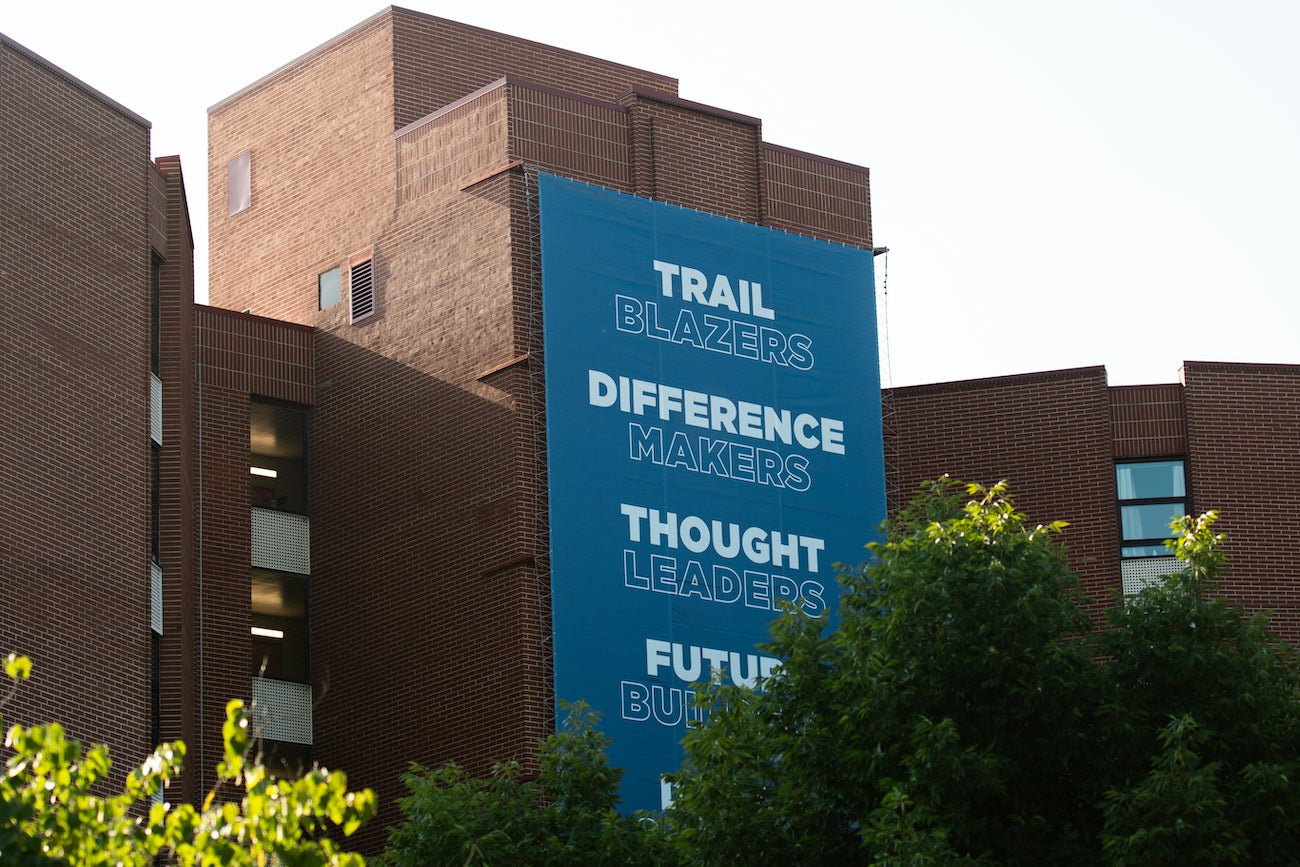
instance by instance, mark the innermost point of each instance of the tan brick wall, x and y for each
(322, 162)
(465, 140)
(440, 61)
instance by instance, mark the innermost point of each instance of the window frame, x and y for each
(1182, 503)
(337, 271)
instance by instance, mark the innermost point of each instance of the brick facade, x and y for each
(237, 357)
(427, 471)
(1056, 437)
(417, 141)
(1243, 445)
(1047, 434)
(74, 389)
(179, 486)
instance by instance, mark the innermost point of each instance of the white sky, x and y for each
(1060, 183)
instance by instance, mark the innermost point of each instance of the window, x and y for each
(361, 285)
(277, 456)
(1151, 494)
(328, 288)
(239, 184)
(155, 314)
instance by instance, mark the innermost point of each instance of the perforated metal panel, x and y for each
(155, 408)
(281, 541)
(155, 597)
(282, 710)
(1139, 573)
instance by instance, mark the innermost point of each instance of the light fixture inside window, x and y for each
(263, 632)
(263, 471)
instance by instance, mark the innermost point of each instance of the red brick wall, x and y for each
(319, 132)
(74, 375)
(816, 196)
(570, 135)
(237, 357)
(1243, 431)
(1047, 434)
(178, 553)
(1148, 421)
(1056, 435)
(418, 508)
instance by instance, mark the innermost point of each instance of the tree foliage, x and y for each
(963, 713)
(52, 811)
(566, 815)
(1209, 740)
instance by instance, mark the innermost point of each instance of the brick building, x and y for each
(336, 475)
(406, 151)
(88, 225)
(1117, 462)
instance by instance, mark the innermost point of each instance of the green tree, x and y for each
(51, 811)
(564, 816)
(936, 722)
(1207, 747)
(962, 713)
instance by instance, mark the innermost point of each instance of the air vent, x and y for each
(361, 286)
(239, 184)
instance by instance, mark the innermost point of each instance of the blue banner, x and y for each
(714, 447)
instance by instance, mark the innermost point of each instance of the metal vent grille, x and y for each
(155, 408)
(282, 710)
(1137, 574)
(155, 597)
(281, 541)
(361, 286)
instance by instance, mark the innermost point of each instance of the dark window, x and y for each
(277, 460)
(279, 627)
(1151, 494)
